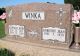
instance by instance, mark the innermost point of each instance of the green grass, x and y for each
(6, 52)
(2, 29)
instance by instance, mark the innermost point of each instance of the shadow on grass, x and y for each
(6, 52)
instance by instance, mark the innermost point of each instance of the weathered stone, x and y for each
(53, 15)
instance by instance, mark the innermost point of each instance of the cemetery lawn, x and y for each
(2, 29)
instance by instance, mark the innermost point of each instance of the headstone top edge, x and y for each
(38, 4)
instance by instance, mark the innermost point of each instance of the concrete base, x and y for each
(31, 49)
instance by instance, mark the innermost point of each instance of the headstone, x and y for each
(42, 22)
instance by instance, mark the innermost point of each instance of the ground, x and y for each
(2, 29)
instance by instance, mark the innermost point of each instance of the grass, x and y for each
(6, 52)
(2, 29)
